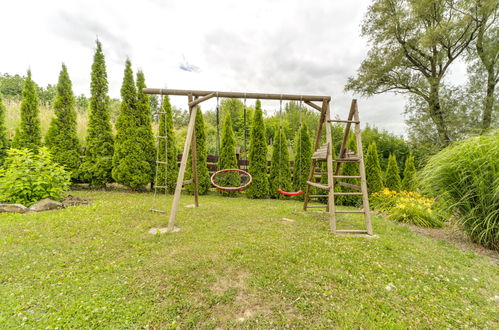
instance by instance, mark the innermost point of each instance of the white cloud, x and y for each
(277, 46)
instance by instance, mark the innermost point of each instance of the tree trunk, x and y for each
(489, 101)
(437, 115)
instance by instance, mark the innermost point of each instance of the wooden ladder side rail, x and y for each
(193, 107)
(181, 172)
(331, 207)
(345, 136)
(363, 182)
(314, 161)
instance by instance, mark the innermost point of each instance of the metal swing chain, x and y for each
(244, 130)
(280, 143)
(218, 127)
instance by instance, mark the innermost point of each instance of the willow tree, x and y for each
(413, 44)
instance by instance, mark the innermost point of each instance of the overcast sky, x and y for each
(275, 46)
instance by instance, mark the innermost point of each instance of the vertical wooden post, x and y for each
(330, 180)
(181, 172)
(314, 162)
(363, 182)
(194, 156)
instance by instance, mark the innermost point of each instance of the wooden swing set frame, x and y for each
(196, 97)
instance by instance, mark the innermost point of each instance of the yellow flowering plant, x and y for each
(407, 207)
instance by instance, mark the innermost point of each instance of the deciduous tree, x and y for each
(413, 44)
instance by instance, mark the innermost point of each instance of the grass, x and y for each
(13, 118)
(235, 263)
(465, 177)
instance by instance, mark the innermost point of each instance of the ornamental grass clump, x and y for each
(408, 207)
(465, 178)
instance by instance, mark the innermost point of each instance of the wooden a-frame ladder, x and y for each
(325, 153)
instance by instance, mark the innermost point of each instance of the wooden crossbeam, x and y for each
(237, 95)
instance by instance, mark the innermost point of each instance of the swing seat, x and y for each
(239, 188)
(290, 193)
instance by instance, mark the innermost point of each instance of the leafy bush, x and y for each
(465, 177)
(29, 177)
(407, 207)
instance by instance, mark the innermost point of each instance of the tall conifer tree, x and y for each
(392, 176)
(227, 158)
(130, 166)
(4, 142)
(28, 134)
(167, 148)
(202, 168)
(303, 157)
(145, 135)
(280, 170)
(374, 175)
(409, 182)
(259, 188)
(62, 139)
(97, 164)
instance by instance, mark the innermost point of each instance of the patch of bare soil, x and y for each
(453, 233)
(246, 304)
(71, 200)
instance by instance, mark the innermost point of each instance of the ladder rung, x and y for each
(317, 196)
(347, 193)
(318, 185)
(350, 211)
(320, 173)
(160, 187)
(316, 206)
(346, 160)
(161, 137)
(346, 176)
(157, 211)
(351, 231)
(321, 155)
(161, 162)
(343, 121)
(161, 113)
(349, 185)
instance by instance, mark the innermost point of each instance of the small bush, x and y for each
(29, 177)
(407, 207)
(465, 178)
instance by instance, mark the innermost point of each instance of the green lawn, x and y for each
(235, 263)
